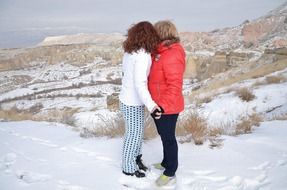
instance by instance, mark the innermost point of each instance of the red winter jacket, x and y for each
(166, 78)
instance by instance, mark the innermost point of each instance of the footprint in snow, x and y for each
(263, 166)
(32, 177)
(261, 177)
(197, 185)
(8, 160)
(200, 182)
(281, 163)
(203, 175)
(92, 154)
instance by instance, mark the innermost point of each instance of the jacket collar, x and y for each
(163, 47)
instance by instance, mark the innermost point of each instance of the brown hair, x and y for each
(167, 32)
(141, 35)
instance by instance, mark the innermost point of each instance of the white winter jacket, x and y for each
(134, 91)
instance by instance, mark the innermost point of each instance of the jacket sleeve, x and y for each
(173, 69)
(141, 72)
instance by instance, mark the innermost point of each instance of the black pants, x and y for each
(166, 129)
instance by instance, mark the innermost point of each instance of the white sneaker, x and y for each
(164, 180)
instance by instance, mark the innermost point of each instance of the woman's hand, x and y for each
(156, 112)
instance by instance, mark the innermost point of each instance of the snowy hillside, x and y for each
(41, 155)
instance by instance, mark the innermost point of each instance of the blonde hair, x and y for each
(167, 31)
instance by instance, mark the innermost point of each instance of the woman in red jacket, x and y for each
(165, 85)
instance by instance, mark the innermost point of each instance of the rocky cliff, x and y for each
(268, 31)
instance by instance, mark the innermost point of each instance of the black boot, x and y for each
(140, 163)
(136, 173)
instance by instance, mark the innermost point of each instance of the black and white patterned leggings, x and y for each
(134, 128)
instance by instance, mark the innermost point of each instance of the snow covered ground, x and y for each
(42, 155)
(267, 97)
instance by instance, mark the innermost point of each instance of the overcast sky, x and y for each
(73, 16)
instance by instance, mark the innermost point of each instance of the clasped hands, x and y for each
(157, 112)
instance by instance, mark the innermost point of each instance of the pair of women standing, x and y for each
(153, 67)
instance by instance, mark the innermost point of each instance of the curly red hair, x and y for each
(141, 35)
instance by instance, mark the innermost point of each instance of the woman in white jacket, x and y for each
(142, 40)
